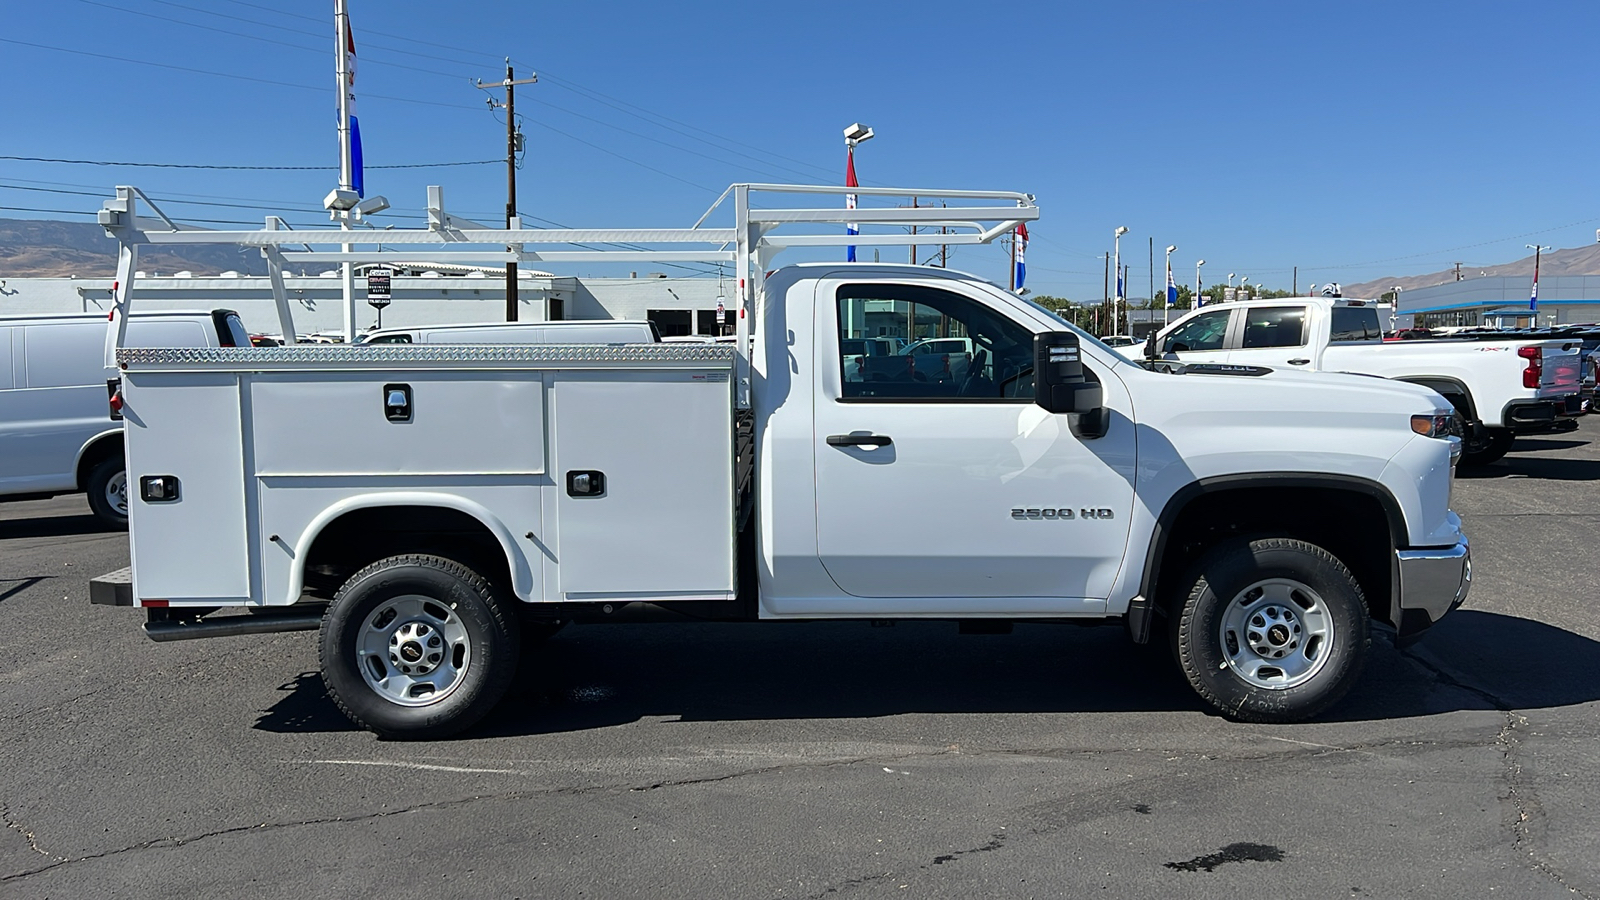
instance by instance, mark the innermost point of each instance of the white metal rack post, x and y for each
(758, 235)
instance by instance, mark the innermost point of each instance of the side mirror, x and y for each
(1061, 386)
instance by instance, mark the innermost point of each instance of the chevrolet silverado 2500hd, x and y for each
(1050, 479)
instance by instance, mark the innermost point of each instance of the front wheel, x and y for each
(1271, 630)
(417, 647)
(1490, 445)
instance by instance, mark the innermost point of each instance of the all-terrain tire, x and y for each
(418, 647)
(1270, 630)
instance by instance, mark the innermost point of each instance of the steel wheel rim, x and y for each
(1276, 634)
(117, 492)
(413, 650)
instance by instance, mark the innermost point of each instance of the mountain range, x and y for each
(1573, 261)
(44, 248)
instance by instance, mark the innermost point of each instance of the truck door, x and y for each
(1278, 337)
(1201, 339)
(975, 492)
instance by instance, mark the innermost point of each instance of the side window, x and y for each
(1206, 331)
(940, 346)
(1351, 323)
(1274, 326)
(161, 332)
(391, 339)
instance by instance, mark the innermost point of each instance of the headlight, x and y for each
(1440, 424)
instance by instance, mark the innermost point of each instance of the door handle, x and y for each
(859, 440)
(1298, 362)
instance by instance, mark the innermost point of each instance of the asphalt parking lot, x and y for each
(818, 760)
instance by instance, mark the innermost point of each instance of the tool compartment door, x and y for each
(192, 547)
(662, 528)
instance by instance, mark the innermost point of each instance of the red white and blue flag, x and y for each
(1022, 247)
(357, 177)
(850, 199)
(1172, 289)
(1533, 300)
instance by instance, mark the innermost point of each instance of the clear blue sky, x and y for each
(1353, 139)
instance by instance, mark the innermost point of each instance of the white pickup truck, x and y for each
(1058, 481)
(1501, 388)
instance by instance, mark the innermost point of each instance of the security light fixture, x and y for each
(341, 200)
(857, 133)
(372, 205)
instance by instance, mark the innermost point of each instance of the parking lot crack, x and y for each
(1527, 812)
(28, 835)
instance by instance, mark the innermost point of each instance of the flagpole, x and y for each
(347, 272)
(1533, 299)
(1014, 260)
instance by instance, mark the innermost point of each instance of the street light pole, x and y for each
(1197, 301)
(1242, 280)
(1117, 302)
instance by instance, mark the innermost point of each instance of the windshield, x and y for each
(1082, 335)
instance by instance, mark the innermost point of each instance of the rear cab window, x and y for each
(1273, 326)
(1353, 323)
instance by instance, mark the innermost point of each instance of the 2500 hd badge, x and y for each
(1059, 514)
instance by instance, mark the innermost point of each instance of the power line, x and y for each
(709, 190)
(660, 141)
(253, 37)
(147, 165)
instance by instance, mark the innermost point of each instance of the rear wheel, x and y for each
(1271, 630)
(417, 647)
(107, 488)
(1489, 445)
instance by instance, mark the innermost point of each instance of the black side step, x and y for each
(168, 628)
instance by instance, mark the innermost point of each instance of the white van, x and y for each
(585, 331)
(57, 434)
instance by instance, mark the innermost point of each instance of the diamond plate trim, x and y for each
(709, 354)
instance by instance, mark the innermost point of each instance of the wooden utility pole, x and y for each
(513, 144)
(1106, 298)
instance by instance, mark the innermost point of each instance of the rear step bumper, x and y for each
(113, 588)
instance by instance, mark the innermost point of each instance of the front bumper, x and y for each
(1430, 582)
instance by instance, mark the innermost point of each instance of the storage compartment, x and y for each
(186, 497)
(662, 525)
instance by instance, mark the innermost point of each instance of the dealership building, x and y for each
(1502, 301)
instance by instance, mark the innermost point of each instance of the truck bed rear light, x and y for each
(1535, 369)
(114, 397)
